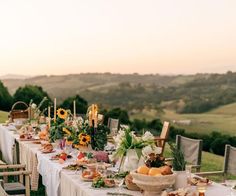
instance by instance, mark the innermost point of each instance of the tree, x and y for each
(5, 98)
(117, 113)
(81, 104)
(28, 92)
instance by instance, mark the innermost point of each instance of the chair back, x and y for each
(164, 134)
(191, 148)
(230, 160)
(113, 125)
(100, 118)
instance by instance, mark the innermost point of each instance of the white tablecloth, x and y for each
(61, 182)
(7, 140)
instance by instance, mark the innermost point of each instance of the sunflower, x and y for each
(84, 139)
(66, 131)
(62, 113)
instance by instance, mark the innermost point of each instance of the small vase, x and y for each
(181, 179)
(131, 161)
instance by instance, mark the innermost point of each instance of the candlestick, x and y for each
(96, 119)
(49, 117)
(55, 109)
(74, 109)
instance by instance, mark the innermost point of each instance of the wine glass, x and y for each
(119, 182)
(188, 169)
(100, 167)
(231, 184)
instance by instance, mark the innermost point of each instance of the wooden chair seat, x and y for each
(14, 188)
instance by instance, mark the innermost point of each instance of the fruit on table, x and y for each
(63, 156)
(80, 155)
(155, 171)
(143, 170)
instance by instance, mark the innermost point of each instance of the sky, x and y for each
(118, 36)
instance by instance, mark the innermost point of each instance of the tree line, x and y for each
(213, 142)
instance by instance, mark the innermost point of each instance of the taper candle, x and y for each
(74, 109)
(55, 109)
(49, 117)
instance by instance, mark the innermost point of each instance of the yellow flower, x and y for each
(62, 113)
(84, 139)
(66, 131)
(69, 142)
(76, 145)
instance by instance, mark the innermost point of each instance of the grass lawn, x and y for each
(221, 119)
(3, 116)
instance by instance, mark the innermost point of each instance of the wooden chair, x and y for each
(100, 118)
(192, 150)
(15, 188)
(161, 140)
(229, 166)
(113, 125)
(2, 191)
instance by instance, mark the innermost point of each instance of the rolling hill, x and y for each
(68, 85)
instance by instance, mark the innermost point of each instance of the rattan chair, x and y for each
(192, 150)
(15, 188)
(161, 140)
(229, 166)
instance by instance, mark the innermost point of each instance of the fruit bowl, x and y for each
(153, 185)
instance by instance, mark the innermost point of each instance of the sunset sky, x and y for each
(125, 36)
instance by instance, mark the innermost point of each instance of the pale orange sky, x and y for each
(125, 36)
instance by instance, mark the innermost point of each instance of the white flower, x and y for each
(33, 106)
(147, 150)
(157, 150)
(150, 149)
(120, 136)
(147, 136)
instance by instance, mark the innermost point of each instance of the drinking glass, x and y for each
(188, 169)
(201, 187)
(119, 182)
(100, 167)
(231, 184)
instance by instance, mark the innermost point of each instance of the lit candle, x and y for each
(74, 109)
(55, 109)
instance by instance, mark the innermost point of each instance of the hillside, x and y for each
(184, 94)
(67, 85)
(221, 119)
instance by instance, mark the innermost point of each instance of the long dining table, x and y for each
(58, 181)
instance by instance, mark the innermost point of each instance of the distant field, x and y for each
(222, 119)
(3, 116)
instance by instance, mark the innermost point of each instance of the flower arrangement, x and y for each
(77, 131)
(60, 128)
(35, 110)
(126, 139)
(81, 135)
